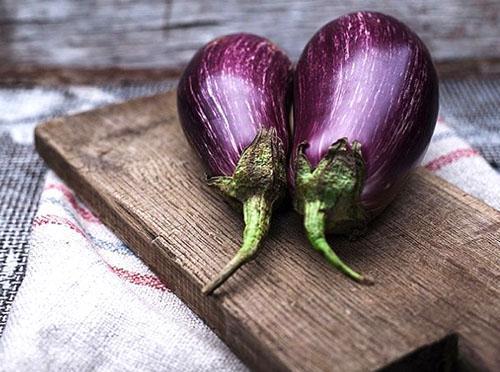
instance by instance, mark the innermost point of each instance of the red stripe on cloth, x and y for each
(84, 212)
(50, 219)
(139, 279)
(132, 277)
(449, 158)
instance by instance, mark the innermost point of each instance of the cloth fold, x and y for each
(88, 303)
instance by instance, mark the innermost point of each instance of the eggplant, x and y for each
(234, 100)
(365, 107)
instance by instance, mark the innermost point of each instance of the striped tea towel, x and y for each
(88, 304)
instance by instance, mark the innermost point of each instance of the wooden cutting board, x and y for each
(435, 254)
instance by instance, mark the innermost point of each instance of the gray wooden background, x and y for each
(143, 34)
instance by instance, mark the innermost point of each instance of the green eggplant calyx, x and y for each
(260, 170)
(337, 181)
(258, 182)
(328, 197)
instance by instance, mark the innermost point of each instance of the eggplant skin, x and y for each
(234, 101)
(233, 87)
(368, 78)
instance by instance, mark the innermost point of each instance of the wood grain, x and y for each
(113, 76)
(165, 33)
(434, 254)
(29, 75)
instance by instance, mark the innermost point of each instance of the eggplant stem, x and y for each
(314, 223)
(257, 214)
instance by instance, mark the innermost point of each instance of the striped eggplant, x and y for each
(365, 107)
(233, 101)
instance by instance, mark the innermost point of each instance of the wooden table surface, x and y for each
(435, 254)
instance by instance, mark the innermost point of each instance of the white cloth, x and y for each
(87, 303)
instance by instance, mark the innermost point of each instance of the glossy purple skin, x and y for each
(367, 77)
(234, 86)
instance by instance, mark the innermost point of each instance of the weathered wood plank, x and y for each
(434, 253)
(67, 75)
(53, 76)
(165, 34)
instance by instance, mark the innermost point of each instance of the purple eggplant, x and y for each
(365, 107)
(233, 102)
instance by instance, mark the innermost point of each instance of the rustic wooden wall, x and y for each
(165, 33)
